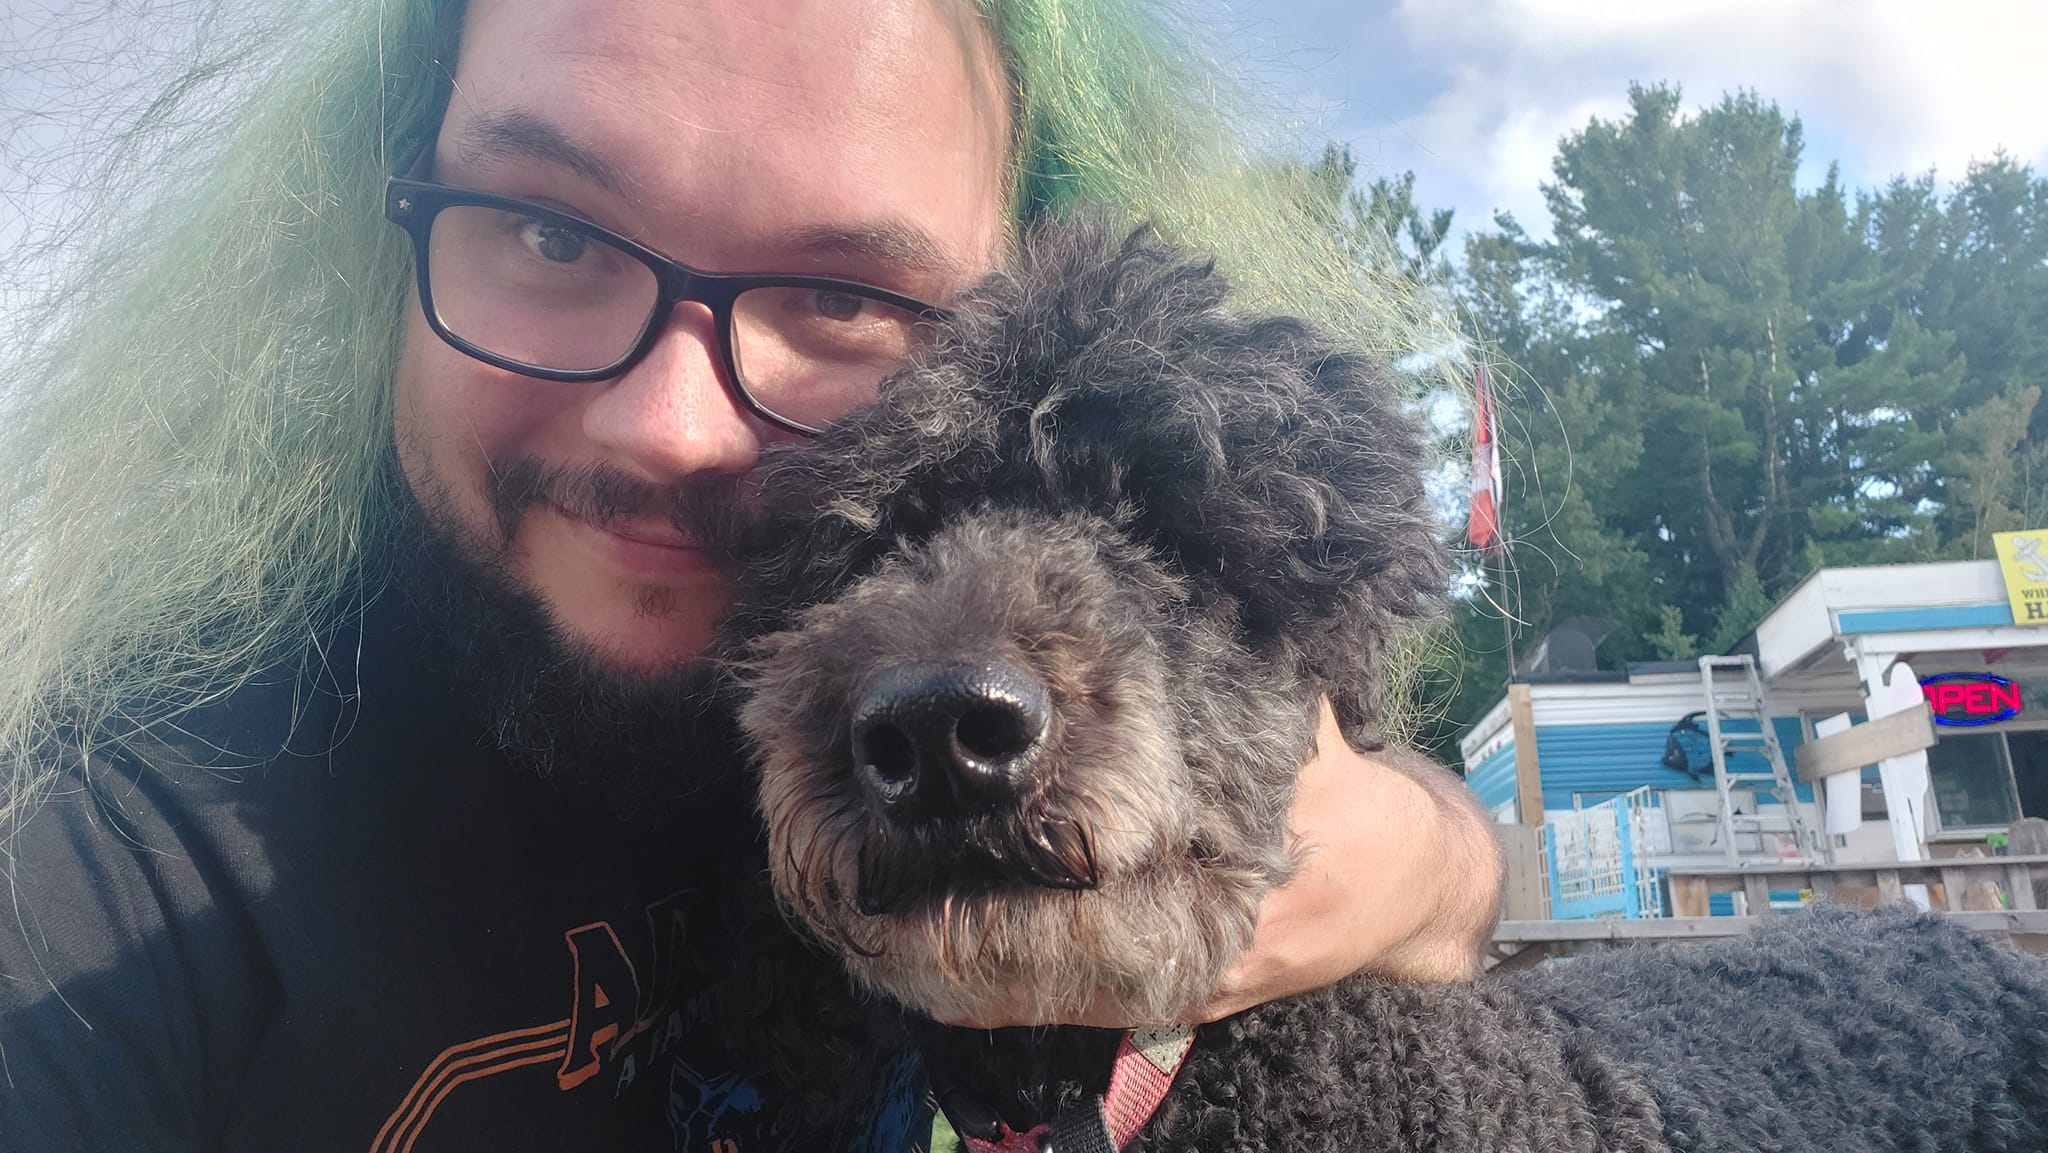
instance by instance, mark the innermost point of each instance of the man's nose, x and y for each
(672, 415)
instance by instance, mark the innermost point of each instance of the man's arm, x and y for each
(1401, 877)
(1453, 849)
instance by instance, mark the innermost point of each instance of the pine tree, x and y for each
(1722, 381)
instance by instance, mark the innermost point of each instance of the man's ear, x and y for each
(1108, 370)
(1288, 476)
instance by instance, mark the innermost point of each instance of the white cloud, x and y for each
(1886, 86)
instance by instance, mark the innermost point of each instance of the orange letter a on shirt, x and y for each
(607, 998)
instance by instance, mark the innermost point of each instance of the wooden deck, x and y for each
(1959, 883)
(1517, 944)
(1988, 894)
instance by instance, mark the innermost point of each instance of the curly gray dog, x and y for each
(1045, 638)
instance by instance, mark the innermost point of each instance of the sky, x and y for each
(1473, 95)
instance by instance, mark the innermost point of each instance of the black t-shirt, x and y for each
(386, 940)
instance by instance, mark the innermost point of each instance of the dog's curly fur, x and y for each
(1190, 524)
(1831, 1032)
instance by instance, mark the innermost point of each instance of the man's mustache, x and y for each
(713, 511)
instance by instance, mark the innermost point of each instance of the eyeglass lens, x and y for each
(553, 297)
(536, 292)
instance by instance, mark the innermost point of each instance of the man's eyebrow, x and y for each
(518, 133)
(901, 245)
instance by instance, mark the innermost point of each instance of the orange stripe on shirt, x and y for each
(433, 1103)
(463, 1055)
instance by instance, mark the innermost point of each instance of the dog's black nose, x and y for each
(949, 740)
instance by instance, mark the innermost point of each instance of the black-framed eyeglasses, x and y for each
(539, 292)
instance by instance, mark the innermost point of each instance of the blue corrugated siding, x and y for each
(1493, 778)
(1597, 761)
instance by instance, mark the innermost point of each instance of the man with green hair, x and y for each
(360, 568)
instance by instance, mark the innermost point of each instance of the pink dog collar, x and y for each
(1146, 1062)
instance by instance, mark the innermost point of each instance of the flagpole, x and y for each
(1507, 617)
(1487, 527)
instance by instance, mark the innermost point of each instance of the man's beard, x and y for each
(645, 739)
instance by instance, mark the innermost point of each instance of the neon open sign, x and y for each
(1970, 698)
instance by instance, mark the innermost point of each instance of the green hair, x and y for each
(196, 410)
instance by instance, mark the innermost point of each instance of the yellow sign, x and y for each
(2023, 559)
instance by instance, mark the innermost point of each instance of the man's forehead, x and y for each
(516, 134)
(811, 105)
(878, 53)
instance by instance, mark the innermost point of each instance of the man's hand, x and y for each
(1399, 876)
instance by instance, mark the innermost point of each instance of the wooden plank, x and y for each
(1528, 774)
(1983, 896)
(1645, 929)
(2036, 861)
(2015, 921)
(1756, 892)
(1955, 884)
(1689, 897)
(1889, 891)
(2031, 921)
(1526, 957)
(1526, 895)
(2027, 835)
(1893, 735)
(2019, 884)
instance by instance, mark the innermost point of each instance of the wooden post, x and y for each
(1889, 891)
(2019, 884)
(1526, 896)
(1955, 886)
(1689, 897)
(1528, 776)
(1756, 893)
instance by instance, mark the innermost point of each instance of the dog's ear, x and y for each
(1105, 369)
(1282, 468)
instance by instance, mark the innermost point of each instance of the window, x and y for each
(2029, 754)
(1972, 781)
(1873, 794)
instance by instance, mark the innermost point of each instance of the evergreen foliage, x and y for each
(1724, 381)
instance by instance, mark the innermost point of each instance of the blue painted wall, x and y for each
(1594, 762)
(1723, 904)
(1493, 778)
(1917, 619)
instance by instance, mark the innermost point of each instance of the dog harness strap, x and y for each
(1146, 1062)
(1010, 1142)
(1084, 1129)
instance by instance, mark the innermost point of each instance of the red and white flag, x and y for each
(1483, 529)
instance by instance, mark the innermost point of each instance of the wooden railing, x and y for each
(2002, 888)
(1958, 877)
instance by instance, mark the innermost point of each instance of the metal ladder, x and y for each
(1744, 704)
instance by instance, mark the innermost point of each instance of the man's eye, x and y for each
(838, 305)
(554, 242)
